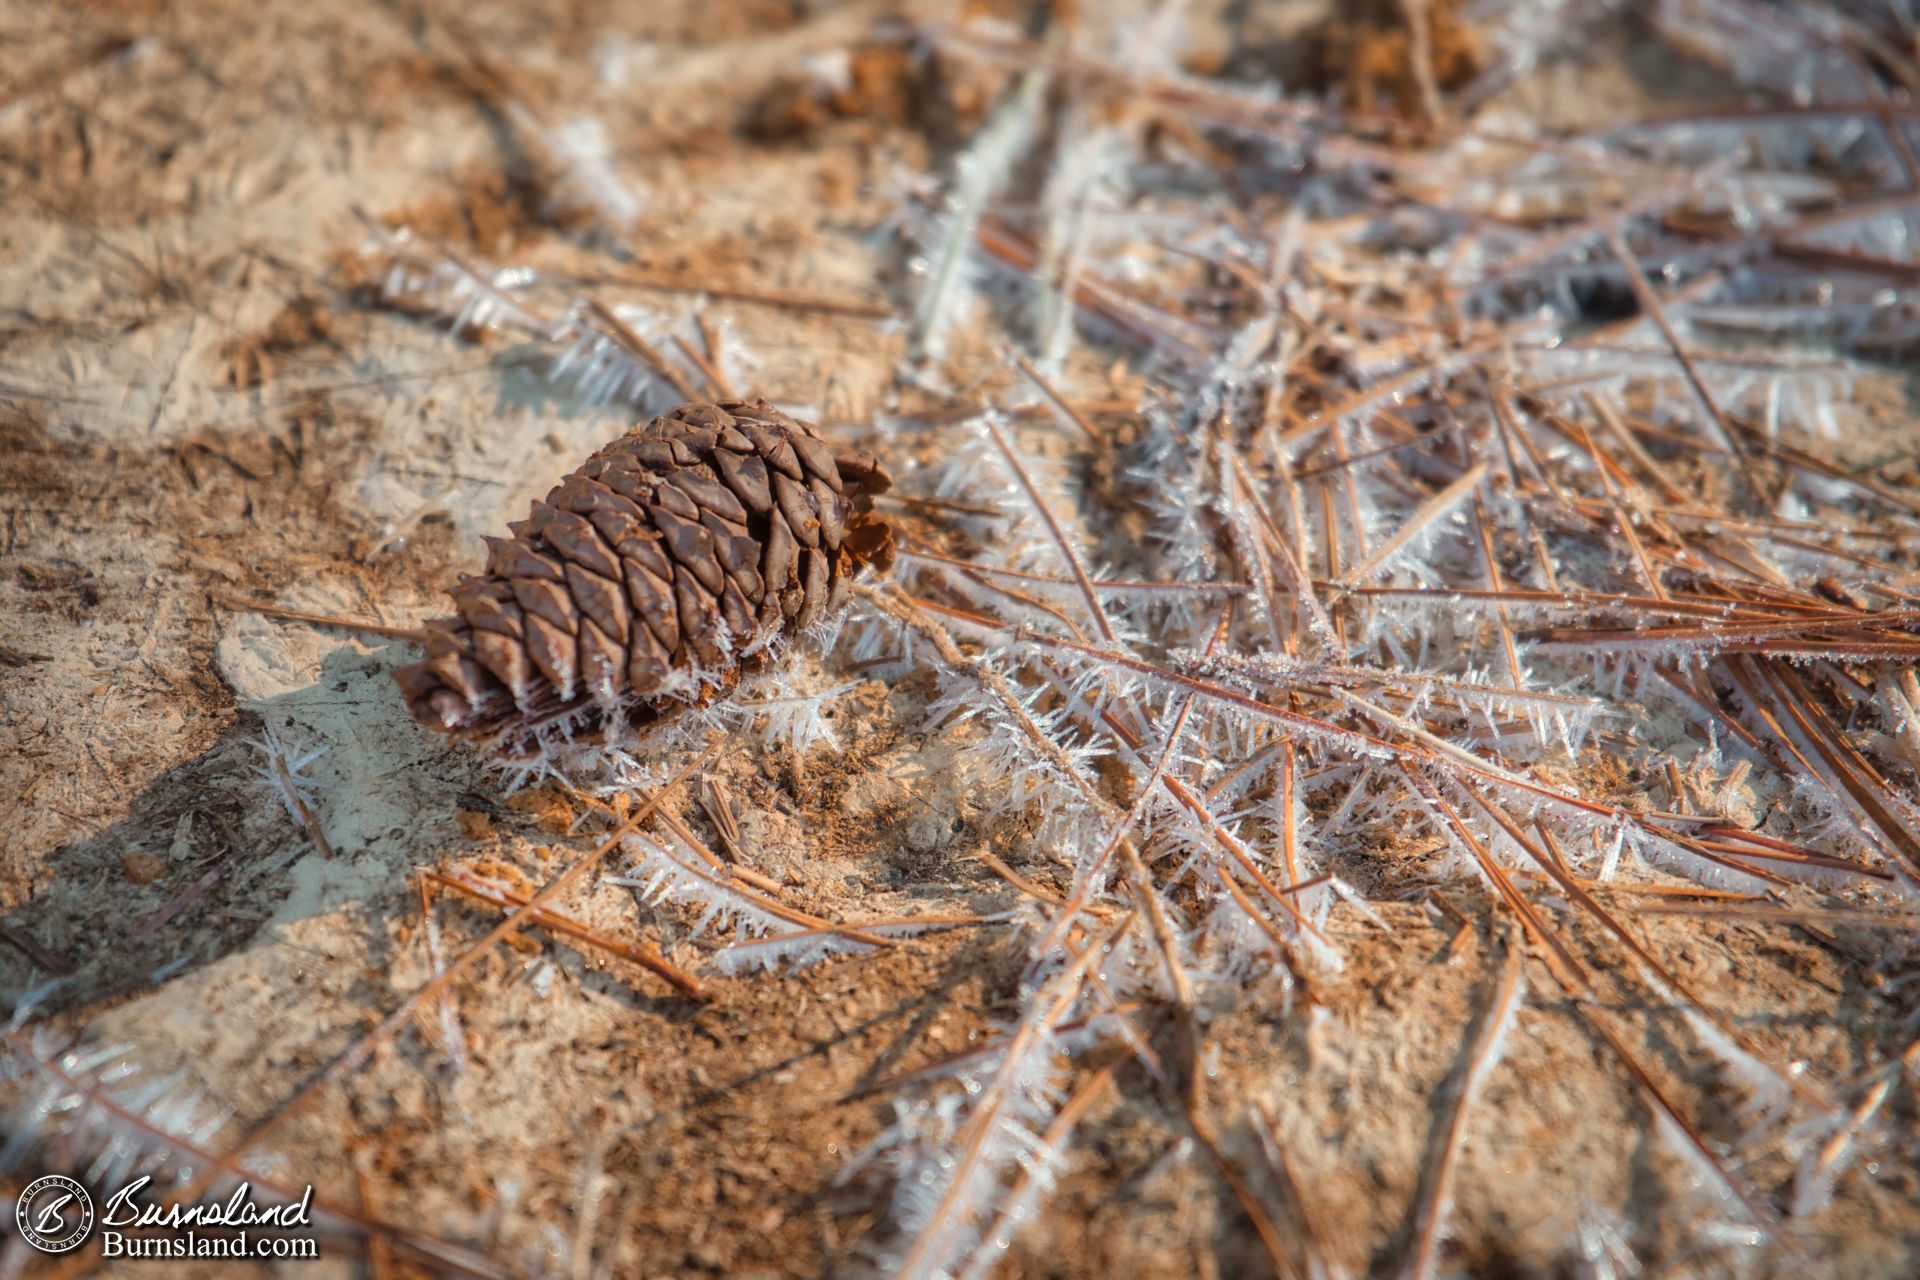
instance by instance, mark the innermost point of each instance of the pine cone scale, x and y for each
(603, 602)
(710, 495)
(796, 511)
(825, 502)
(747, 477)
(652, 599)
(645, 550)
(776, 451)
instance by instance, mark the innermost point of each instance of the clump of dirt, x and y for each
(1375, 54)
(253, 359)
(880, 85)
(487, 210)
(548, 805)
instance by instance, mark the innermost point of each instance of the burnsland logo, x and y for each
(54, 1214)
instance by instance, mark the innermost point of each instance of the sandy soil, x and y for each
(195, 408)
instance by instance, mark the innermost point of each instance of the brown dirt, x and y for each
(194, 407)
(1367, 53)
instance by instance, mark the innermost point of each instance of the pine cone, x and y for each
(650, 577)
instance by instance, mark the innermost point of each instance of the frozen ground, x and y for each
(199, 406)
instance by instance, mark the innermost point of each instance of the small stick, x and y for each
(1560, 960)
(719, 810)
(1263, 1227)
(1482, 1053)
(1436, 506)
(1059, 536)
(1657, 1098)
(1063, 1124)
(624, 334)
(379, 1258)
(1284, 555)
(1495, 583)
(1650, 304)
(1032, 889)
(1318, 1267)
(640, 953)
(741, 886)
(180, 901)
(299, 802)
(1103, 584)
(450, 1028)
(1059, 401)
(716, 380)
(35, 952)
(785, 299)
(414, 634)
(1419, 17)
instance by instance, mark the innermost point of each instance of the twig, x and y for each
(413, 634)
(639, 953)
(1429, 511)
(1437, 1180)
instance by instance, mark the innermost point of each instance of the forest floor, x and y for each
(198, 410)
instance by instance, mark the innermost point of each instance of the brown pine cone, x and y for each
(649, 578)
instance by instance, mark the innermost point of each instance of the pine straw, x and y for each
(1226, 650)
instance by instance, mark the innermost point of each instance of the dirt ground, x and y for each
(197, 408)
